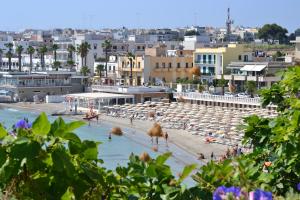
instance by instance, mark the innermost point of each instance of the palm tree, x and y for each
(85, 71)
(1, 52)
(42, 52)
(54, 49)
(9, 54)
(71, 49)
(106, 45)
(30, 51)
(251, 88)
(99, 69)
(130, 57)
(19, 51)
(83, 51)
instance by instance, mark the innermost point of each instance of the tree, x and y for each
(297, 32)
(42, 51)
(54, 49)
(30, 51)
(1, 52)
(83, 50)
(251, 87)
(222, 83)
(56, 65)
(131, 57)
(106, 46)
(19, 51)
(85, 71)
(99, 69)
(9, 54)
(273, 32)
(71, 49)
(191, 33)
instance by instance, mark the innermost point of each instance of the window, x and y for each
(209, 59)
(178, 65)
(95, 46)
(170, 65)
(143, 47)
(192, 64)
(157, 65)
(139, 64)
(123, 64)
(122, 47)
(181, 53)
(240, 57)
(114, 68)
(114, 47)
(138, 47)
(245, 58)
(214, 59)
(198, 59)
(163, 65)
(109, 68)
(186, 65)
(204, 58)
(95, 55)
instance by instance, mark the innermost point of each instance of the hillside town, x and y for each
(240, 60)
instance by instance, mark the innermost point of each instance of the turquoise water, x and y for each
(117, 151)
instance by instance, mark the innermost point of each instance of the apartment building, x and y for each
(213, 61)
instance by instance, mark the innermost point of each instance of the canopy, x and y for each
(253, 68)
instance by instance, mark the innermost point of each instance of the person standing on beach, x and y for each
(212, 155)
(109, 136)
(166, 137)
(157, 140)
(131, 120)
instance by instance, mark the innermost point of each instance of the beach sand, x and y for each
(193, 144)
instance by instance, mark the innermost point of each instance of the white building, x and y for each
(195, 41)
(62, 53)
(95, 52)
(297, 48)
(112, 68)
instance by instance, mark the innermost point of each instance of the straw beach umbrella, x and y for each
(155, 131)
(117, 131)
(145, 157)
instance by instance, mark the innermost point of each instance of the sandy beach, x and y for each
(193, 144)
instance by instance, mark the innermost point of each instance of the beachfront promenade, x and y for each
(218, 100)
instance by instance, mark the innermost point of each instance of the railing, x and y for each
(106, 88)
(217, 98)
(36, 85)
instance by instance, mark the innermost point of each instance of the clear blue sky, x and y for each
(45, 14)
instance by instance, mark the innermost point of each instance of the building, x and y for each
(214, 60)
(113, 71)
(140, 74)
(167, 66)
(195, 41)
(95, 52)
(24, 86)
(297, 49)
(263, 73)
(62, 53)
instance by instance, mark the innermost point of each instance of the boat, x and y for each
(91, 117)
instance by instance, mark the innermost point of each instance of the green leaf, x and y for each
(162, 158)
(150, 171)
(90, 150)
(68, 195)
(41, 126)
(186, 172)
(74, 125)
(3, 132)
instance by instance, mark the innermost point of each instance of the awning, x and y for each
(253, 68)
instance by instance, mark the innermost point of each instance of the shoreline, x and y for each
(182, 139)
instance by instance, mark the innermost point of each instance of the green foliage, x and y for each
(191, 33)
(273, 32)
(251, 87)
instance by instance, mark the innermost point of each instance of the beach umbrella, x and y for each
(156, 131)
(116, 131)
(145, 157)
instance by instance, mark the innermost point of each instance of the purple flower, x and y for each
(22, 124)
(262, 195)
(298, 186)
(221, 192)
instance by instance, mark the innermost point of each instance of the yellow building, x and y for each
(158, 64)
(168, 65)
(138, 73)
(213, 61)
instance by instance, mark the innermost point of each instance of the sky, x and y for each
(17, 15)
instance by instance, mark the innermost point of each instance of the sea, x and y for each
(116, 151)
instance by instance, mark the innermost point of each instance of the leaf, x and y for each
(150, 171)
(3, 132)
(68, 195)
(162, 158)
(90, 150)
(186, 172)
(41, 126)
(74, 125)
(3, 156)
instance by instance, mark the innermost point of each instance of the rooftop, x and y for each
(99, 95)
